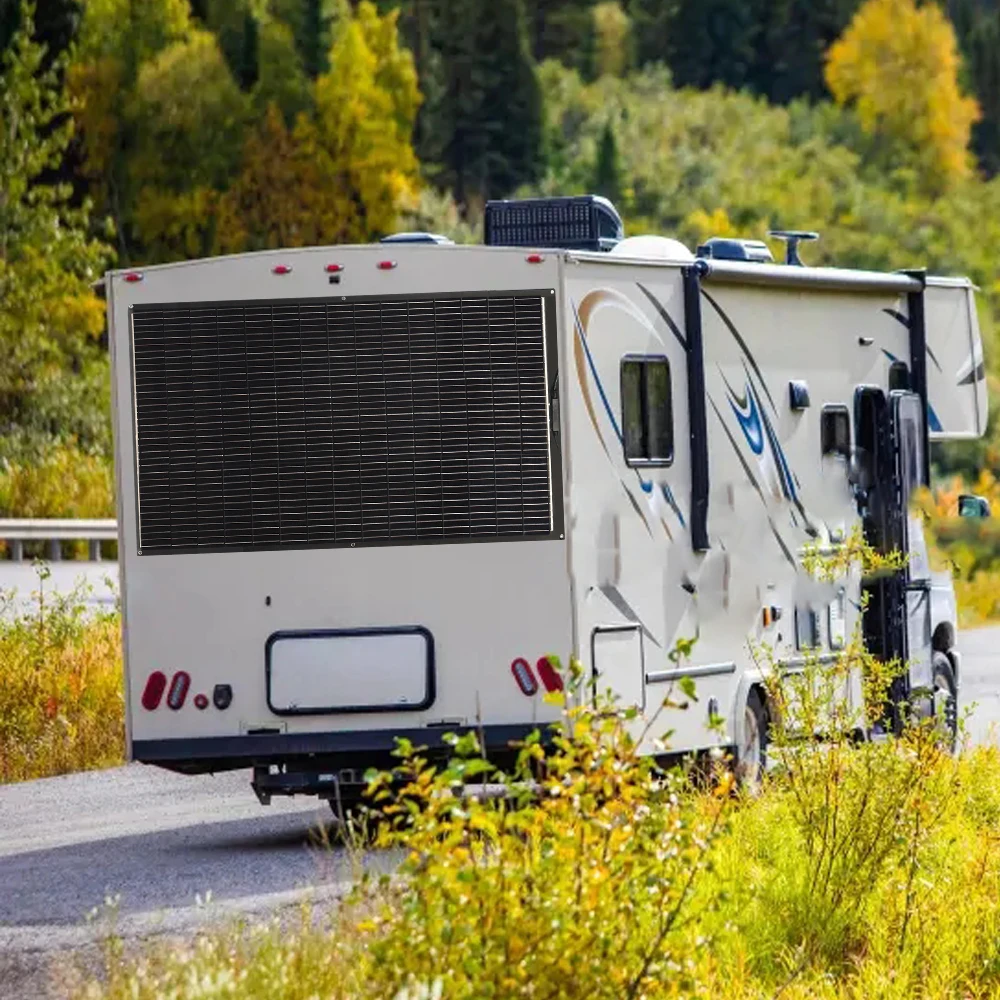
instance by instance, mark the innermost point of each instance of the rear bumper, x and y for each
(357, 749)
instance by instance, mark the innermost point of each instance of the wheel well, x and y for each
(944, 637)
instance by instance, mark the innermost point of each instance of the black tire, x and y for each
(751, 756)
(946, 697)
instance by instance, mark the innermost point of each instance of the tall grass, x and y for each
(61, 702)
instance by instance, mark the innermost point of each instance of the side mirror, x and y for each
(970, 505)
(859, 471)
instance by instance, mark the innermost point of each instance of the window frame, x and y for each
(645, 362)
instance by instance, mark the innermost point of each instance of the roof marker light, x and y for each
(386, 265)
(524, 676)
(334, 268)
(156, 684)
(133, 276)
(179, 689)
(551, 677)
(535, 258)
(281, 269)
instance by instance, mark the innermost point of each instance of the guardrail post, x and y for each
(55, 550)
(95, 550)
(16, 549)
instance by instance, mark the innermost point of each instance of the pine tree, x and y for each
(483, 126)
(607, 169)
(711, 41)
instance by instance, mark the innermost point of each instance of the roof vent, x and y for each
(587, 222)
(792, 238)
(723, 248)
(417, 238)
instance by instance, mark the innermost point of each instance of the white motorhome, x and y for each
(365, 491)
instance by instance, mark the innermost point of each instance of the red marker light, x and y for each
(133, 276)
(156, 684)
(534, 258)
(201, 702)
(522, 672)
(386, 265)
(549, 675)
(179, 689)
(281, 269)
(334, 268)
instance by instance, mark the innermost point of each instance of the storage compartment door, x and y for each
(618, 664)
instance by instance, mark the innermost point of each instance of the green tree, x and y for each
(51, 320)
(608, 169)
(483, 131)
(282, 79)
(116, 38)
(344, 173)
(189, 119)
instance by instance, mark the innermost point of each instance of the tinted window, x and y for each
(835, 431)
(647, 411)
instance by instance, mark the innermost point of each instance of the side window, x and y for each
(899, 376)
(647, 410)
(835, 431)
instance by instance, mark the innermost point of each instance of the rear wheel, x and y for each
(751, 755)
(946, 698)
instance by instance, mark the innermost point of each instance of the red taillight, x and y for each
(386, 265)
(153, 691)
(551, 677)
(334, 268)
(179, 689)
(201, 702)
(534, 258)
(133, 276)
(281, 269)
(524, 676)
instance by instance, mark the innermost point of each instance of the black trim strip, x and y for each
(332, 633)
(737, 336)
(269, 745)
(664, 315)
(918, 362)
(697, 411)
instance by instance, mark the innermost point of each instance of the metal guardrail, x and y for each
(16, 531)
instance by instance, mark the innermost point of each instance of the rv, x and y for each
(368, 492)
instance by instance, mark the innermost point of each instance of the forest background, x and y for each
(140, 131)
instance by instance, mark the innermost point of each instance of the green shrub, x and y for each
(61, 702)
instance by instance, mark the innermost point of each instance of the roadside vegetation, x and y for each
(61, 703)
(855, 872)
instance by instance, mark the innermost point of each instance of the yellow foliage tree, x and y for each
(612, 39)
(344, 174)
(898, 64)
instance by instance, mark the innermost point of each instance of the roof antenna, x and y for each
(792, 238)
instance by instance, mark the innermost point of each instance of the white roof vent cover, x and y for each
(653, 247)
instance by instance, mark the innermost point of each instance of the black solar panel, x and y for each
(294, 424)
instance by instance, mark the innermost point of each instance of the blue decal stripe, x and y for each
(750, 425)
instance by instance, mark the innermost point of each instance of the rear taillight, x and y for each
(524, 676)
(179, 687)
(201, 702)
(156, 684)
(551, 677)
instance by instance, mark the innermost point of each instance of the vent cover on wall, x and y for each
(319, 422)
